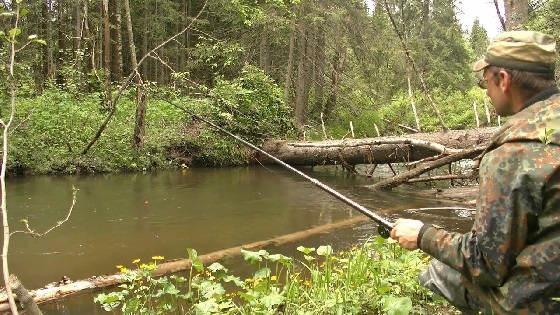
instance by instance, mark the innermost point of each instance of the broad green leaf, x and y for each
(170, 289)
(207, 307)
(252, 257)
(196, 262)
(131, 306)
(14, 32)
(397, 305)
(305, 250)
(41, 41)
(238, 282)
(217, 266)
(23, 12)
(285, 260)
(31, 37)
(272, 299)
(262, 273)
(324, 250)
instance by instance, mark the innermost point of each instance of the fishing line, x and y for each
(384, 226)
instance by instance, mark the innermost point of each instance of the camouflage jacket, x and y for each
(510, 261)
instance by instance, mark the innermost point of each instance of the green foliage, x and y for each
(378, 277)
(545, 138)
(478, 39)
(251, 106)
(546, 18)
(456, 107)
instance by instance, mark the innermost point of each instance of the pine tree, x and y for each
(478, 39)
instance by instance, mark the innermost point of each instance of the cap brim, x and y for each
(480, 65)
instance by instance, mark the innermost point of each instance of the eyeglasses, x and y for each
(483, 83)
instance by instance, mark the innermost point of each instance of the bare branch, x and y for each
(31, 232)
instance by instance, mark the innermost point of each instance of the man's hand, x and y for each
(406, 232)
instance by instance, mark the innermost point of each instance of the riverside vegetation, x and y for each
(378, 277)
(52, 129)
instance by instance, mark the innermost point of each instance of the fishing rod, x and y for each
(384, 227)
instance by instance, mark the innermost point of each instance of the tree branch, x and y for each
(31, 232)
(406, 176)
(129, 79)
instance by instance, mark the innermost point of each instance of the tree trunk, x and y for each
(106, 52)
(413, 105)
(517, 13)
(290, 66)
(338, 62)
(116, 40)
(145, 37)
(77, 8)
(141, 97)
(319, 76)
(375, 150)
(264, 53)
(301, 88)
(502, 22)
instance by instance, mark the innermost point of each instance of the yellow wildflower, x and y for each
(307, 283)
(143, 266)
(158, 257)
(135, 261)
(123, 269)
(119, 266)
(273, 278)
(151, 266)
(249, 280)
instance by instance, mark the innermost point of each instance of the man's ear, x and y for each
(505, 81)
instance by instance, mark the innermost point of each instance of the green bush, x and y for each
(378, 277)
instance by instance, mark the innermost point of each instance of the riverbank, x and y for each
(51, 131)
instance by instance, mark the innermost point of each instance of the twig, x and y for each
(31, 232)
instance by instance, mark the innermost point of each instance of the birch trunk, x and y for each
(410, 95)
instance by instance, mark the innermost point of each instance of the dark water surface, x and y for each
(118, 218)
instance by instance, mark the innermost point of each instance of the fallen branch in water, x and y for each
(442, 177)
(407, 176)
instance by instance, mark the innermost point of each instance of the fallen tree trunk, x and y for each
(374, 150)
(61, 290)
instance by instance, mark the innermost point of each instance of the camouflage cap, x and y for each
(520, 50)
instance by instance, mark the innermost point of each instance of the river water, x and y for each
(118, 218)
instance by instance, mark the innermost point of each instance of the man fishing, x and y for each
(509, 262)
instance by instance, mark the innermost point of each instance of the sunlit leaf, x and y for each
(23, 12)
(305, 250)
(14, 32)
(324, 250)
(262, 273)
(196, 262)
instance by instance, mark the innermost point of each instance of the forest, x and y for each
(92, 78)
(114, 86)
